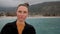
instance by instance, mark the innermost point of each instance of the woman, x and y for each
(19, 26)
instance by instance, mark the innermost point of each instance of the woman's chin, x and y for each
(21, 19)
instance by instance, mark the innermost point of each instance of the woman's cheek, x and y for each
(24, 16)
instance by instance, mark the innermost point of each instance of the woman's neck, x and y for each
(20, 26)
(21, 22)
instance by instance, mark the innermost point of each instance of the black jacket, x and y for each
(11, 28)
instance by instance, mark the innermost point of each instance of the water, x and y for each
(41, 25)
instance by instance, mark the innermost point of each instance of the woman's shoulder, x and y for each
(7, 28)
(30, 29)
(10, 24)
(29, 26)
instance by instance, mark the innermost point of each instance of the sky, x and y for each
(14, 3)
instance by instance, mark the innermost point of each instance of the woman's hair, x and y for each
(25, 4)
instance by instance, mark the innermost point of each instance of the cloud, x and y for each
(14, 3)
(9, 3)
(40, 1)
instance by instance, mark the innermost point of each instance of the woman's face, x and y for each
(22, 13)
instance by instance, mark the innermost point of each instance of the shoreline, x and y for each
(32, 17)
(14, 17)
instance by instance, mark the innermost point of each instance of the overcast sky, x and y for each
(14, 3)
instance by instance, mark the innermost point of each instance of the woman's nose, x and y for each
(22, 13)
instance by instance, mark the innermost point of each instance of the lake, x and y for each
(41, 25)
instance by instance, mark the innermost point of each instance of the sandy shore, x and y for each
(9, 17)
(31, 17)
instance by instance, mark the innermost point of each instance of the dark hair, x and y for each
(25, 4)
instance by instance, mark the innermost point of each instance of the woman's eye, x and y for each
(25, 12)
(19, 11)
(22, 11)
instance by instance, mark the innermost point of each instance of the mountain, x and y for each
(46, 8)
(8, 11)
(41, 9)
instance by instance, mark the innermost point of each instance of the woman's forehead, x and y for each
(23, 8)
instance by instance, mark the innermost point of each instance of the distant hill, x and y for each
(8, 11)
(46, 8)
(41, 9)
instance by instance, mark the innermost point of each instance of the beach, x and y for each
(14, 17)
